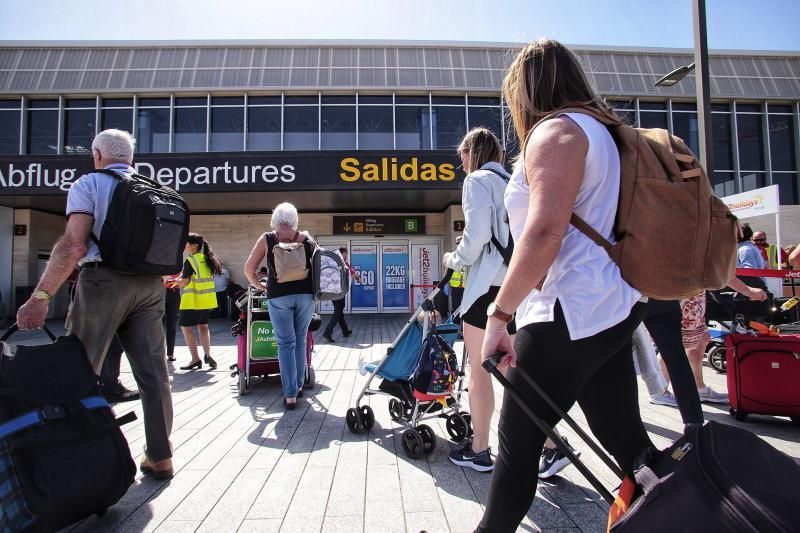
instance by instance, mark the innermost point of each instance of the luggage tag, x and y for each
(791, 302)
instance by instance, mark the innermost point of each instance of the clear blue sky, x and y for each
(732, 24)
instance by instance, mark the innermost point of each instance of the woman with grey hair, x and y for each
(291, 294)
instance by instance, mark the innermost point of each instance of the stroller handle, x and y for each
(446, 279)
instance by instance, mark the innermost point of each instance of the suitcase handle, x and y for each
(490, 364)
(14, 328)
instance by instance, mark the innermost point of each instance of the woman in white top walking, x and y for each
(575, 313)
(484, 217)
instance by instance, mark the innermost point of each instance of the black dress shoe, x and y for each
(171, 358)
(328, 338)
(192, 366)
(289, 406)
(210, 362)
(120, 394)
(300, 393)
(347, 333)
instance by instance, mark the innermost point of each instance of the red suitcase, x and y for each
(764, 375)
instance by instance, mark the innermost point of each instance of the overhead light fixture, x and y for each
(675, 76)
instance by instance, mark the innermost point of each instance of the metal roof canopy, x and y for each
(167, 67)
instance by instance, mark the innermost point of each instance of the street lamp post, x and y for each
(702, 84)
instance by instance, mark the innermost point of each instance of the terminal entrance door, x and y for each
(387, 269)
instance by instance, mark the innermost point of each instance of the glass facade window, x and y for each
(384, 99)
(782, 142)
(625, 109)
(117, 102)
(42, 131)
(338, 127)
(264, 100)
(753, 180)
(79, 126)
(512, 139)
(152, 126)
(487, 117)
(301, 127)
(10, 120)
(721, 137)
(684, 125)
(227, 129)
(650, 119)
(412, 127)
(375, 128)
(724, 183)
(118, 118)
(190, 124)
(449, 127)
(787, 187)
(263, 128)
(484, 101)
(751, 146)
(339, 99)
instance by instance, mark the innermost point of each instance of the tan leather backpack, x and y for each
(674, 237)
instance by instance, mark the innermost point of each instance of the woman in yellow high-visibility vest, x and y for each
(198, 298)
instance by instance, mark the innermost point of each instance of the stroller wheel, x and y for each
(413, 444)
(468, 420)
(367, 417)
(396, 409)
(716, 358)
(428, 438)
(353, 420)
(457, 427)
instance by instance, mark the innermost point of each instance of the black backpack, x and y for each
(505, 251)
(146, 227)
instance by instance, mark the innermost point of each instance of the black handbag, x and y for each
(63, 456)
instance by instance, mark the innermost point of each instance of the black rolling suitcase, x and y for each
(716, 478)
(62, 454)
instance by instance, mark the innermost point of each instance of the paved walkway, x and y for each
(243, 464)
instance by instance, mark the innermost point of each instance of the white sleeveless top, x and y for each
(592, 293)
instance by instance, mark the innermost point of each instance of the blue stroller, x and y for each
(406, 405)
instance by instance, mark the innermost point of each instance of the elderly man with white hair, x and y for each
(108, 302)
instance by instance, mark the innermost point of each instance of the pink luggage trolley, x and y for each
(257, 345)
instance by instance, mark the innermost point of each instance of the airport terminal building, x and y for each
(360, 136)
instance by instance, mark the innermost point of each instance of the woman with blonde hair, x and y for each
(484, 218)
(574, 313)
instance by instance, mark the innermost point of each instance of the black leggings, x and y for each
(598, 373)
(172, 302)
(663, 321)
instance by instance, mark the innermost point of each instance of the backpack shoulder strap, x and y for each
(590, 232)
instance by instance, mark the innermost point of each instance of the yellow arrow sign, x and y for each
(347, 227)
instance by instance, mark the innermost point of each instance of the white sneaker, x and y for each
(709, 395)
(664, 398)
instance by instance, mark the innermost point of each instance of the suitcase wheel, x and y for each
(739, 415)
(243, 385)
(311, 378)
